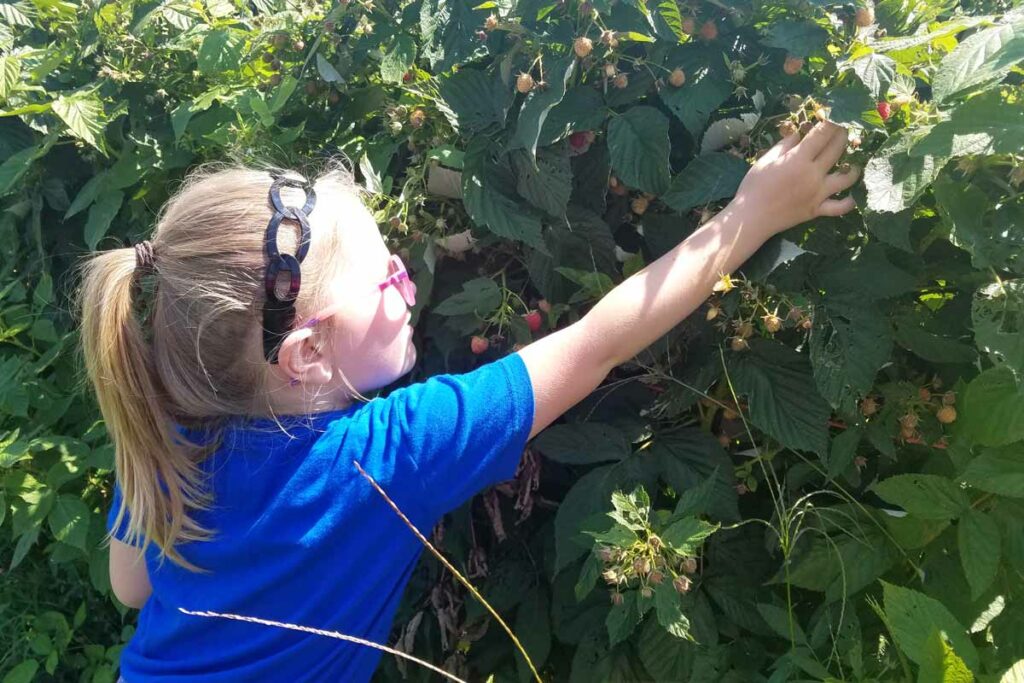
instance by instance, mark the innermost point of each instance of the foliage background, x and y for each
(845, 540)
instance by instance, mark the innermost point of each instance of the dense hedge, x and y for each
(817, 476)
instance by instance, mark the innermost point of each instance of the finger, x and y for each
(816, 140)
(834, 149)
(777, 150)
(836, 207)
(837, 182)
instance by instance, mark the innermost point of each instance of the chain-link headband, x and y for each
(279, 311)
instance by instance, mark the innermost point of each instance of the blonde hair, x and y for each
(203, 361)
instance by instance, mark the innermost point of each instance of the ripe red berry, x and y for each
(709, 30)
(533, 320)
(792, 65)
(479, 344)
(884, 110)
(407, 76)
(578, 139)
(677, 78)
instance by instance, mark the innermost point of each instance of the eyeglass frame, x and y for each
(395, 279)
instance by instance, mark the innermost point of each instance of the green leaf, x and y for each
(581, 109)
(978, 540)
(986, 124)
(894, 179)
(548, 185)
(798, 38)
(993, 236)
(842, 452)
(664, 656)
(399, 59)
(221, 51)
(850, 341)
(10, 73)
(913, 615)
(623, 618)
(778, 618)
(705, 179)
(686, 459)
(932, 347)
(997, 314)
(533, 628)
(484, 183)
(695, 500)
(876, 71)
(668, 12)
(686, 536)
(639, 146)
(992, 410)
(783, 399)
(998, 470)
(24, 672)
(281, 94)
(981, 59)
(868, 272)
(69, 521)
(473, 100)
(669, 612)
(851, 103)
(480, 297)
(927, 496)
(84, 115)
(539, 102)
(771, 255)
(707, 88)
(16, 166)
(583, 443)
(327, 71)
(940, 664)
(101, 214)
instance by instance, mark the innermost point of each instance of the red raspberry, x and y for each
(884, 110)
(479, 344)
(533, 320)
(578, 139)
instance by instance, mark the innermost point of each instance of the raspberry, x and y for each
(724, 441)
(884, 110)
(792, 65)
(713, 313)
(524, 83)
(533, 320)
(909, 421)
(620, 81)
(490, 23)
(617, 598)
(865, 16)
(579, 139)
(924, 393)
(677, 78)
(787, 128)
(689, 26)
(948, 398)
(739, 344)
(868, 407)
(946, 415)
(407, 76)
(772, 323)
(681, 584)
(639, 205)
(299, 45)
(478, 344)
(745, 330)
(709, 30)
(544, 305)
(610, 70)
(582, 46)
(690, 565)
(656, 577)
(417, 118)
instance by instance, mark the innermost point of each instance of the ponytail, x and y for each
(157, 468)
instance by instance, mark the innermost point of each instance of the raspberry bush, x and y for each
(817, 476)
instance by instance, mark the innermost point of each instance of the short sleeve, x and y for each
(121, 531)
(464, 432)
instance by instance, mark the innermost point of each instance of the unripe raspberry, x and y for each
(524, 83)
(490, 23)
(860, 462)
(606, 554)
(334, 97)
(739, 344)
(924, 393)
(868, 407)
(656, 577)
(299, 45)
(677, 78)
(655, 543)
(417, 118)
(681, 584)
(642, 566)
(865, 16)
(946, 415)
(909, 421)
(806, 323)
(689, 26)
(690, 565)
(582, 46)
(713, 313)
(772, 323)
(792, 65)
(544, 305)
(787, 128)
(949, 398)
(608, 38)
(479, 344)
(610, 576)
(745, 329)
(620, 81)
(639, 205)
(709, 30)
(617, 599)
(610, 70)
(907, 433)
(646, 592)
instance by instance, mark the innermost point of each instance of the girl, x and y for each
(237, 410)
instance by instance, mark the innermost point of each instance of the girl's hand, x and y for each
(791, 183)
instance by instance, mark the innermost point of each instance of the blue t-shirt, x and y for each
(304, 539)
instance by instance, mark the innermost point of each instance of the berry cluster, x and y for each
(643, 565)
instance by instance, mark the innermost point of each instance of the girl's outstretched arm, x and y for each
(790, 184)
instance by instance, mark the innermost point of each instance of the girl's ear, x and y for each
(298, 358)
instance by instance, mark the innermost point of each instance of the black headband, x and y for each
(279, 311)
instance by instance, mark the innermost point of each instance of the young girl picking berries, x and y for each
(238, 413)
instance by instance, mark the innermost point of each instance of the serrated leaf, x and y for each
(688, 458)
(842, 452)
(851, 103)
(69, 521)
(220, 51)
(16, 165)
(927, 496)
(686, 536)
(10, 74)
(548, 185)
(538, 103)
(986, 124)
(932, 347)
(623, 618)
(992, 412)
(669, 612)
(983, 58)
(398, 59)
(998, 470)
(997, 315)
(992, 235)
(798, 38)
(485, 182)
(473, 100)
(668, 12)
(771, 255)
(707, 87)
(850, 342)
(979, 543)
(783, 399)
(695, 499)
(894, 179)
(583, 443)
(101, 214)
(639, 146)
(876, 71)
(913, 615)
(707, 178)
(84, 116)
(779, 621)
(480, 296)
(581, 109)
(940, 664)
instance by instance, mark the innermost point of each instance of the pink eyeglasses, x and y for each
(398, 276)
